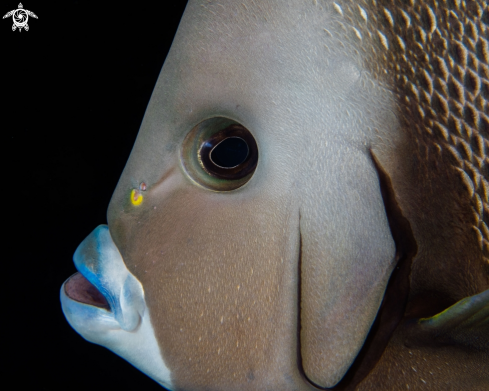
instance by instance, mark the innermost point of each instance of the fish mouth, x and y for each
(104, 303)
(79, 289)
(103, 293)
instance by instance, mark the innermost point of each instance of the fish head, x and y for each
(263, 271)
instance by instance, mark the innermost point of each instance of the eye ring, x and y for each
(244, 168)
(219, 154)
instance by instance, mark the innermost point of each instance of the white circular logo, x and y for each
(20, 16)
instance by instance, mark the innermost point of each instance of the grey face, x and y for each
(228, 277)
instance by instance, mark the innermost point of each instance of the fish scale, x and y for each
(436, 55)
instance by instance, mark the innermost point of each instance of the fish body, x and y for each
(305, 205)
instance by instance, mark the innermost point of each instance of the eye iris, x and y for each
(230, 152)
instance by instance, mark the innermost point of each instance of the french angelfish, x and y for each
(306, 204)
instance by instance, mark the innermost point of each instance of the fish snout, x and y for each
(105, 304)
(103, 283)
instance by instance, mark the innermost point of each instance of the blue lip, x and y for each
(124, 327)
(90, 258)
(98, 260)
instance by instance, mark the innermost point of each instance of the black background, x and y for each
(74, 89)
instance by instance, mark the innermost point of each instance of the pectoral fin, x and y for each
(464, 323)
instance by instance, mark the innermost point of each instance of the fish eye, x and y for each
(229, 154)
(220, 154)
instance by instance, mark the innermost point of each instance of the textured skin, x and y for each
(221, 270)
(371, 122)
(434, 56)
(192, 285)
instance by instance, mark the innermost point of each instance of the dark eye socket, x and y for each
(230, 153)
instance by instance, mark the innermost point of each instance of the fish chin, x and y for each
(105, 304)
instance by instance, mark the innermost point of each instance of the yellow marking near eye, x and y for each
(136, 197)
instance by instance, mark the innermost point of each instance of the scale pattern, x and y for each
(436, 54)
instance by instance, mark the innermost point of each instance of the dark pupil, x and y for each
(230, 152)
